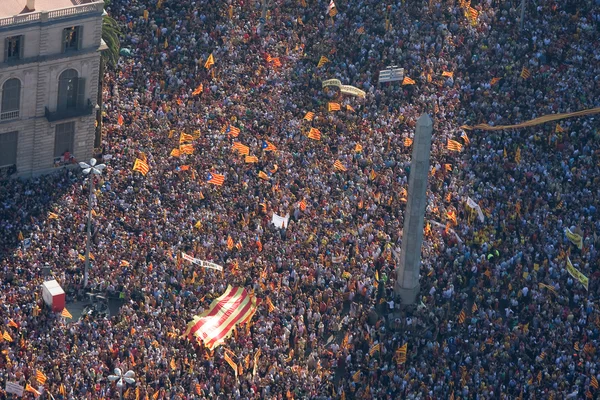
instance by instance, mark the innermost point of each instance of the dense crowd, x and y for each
(484, 327)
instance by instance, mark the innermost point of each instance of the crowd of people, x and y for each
(498, 316)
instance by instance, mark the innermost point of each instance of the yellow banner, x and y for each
(534, 122)
(576, 239)
(331, 82)
(575, 273)
(345, 89)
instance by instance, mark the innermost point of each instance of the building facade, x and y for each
(49, 67)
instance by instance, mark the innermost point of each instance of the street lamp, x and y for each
(94, 170)
(119, 376)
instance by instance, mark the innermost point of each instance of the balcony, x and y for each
(88, 7)
(8, 115)
(66, 113)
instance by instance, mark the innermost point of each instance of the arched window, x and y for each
(68, 89)
(11, 98)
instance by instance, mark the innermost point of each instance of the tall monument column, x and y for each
(407, 273)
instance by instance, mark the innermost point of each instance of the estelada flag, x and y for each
(215, 179)
(210, 61)
(268, 146)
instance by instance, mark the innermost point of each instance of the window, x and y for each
(13, 48)
(71, 40)
(71, 91)
(11, 99)
(8, 149)
(63, 139)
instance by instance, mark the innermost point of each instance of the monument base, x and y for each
(408, 295)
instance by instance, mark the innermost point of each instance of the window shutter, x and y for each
(79, 37)
(21, 47)
(5, 49)
(80, 92)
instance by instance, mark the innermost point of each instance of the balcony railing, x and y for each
(66, 113)
(43, 16)
(8, 115)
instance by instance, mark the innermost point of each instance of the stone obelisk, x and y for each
(407, 274)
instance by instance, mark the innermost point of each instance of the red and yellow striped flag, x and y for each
(302, 205)
(448, 74)
(339, 166)
(209, 62)
(358, 148)
(452, 216)
(525, 73)
(494, 81)
(309, 116)
(408, 142)
(375, 349)
(31, 389)
(141, 166)
(270, 305)
(263, 175)
(186, 149)
(52, 215)
(314, 134)
(65, 313)
(175, 153)
(251, 159)
(322, 61)
(184, 137)
(462, 317)
(453, 145)
(13, 323)
(40, 377)
(408, 81)
(198, 90)
(473, 14)
(230, 361)
(558, 129)
(333, 107)
(172, 364)
(349, 108)
(594, 383)
(243, 150)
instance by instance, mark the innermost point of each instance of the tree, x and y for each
(110, 57)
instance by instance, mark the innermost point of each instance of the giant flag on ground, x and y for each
(235, 306)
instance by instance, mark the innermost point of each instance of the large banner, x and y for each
(472, 204)
(201, 263)
(576, 239)
(535, 121)
(345, 89)
(212, 327)
(575, 273)
(14, 388)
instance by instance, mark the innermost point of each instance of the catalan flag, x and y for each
(358, 148)
(309, 116)
(453, 145)
(230, 361)
(314, 134)
(268, 146)
(401, 353)
(40, 377)
(322, 61)
(232, 130)
(518, 156)
(452, 216)
(31, 389)
(302, 205)
(462, 317)
(186, 149)
(52, 215)
(198, 90)
(184, 137)
(120, 120)
(251, 159)
(210, 61)
(473, 14)
(356, 376)
(172, 364)
(448, 74)
(276, 62)
(6, 336)
(141, 166)
(349, 108)
(558, 129)
(13, 323)
(408, 142)
(448, 167)
(525, 73)
(594, 383)
(229, 243)
(235, 306)
(215, 179)
(494, 81)
(263, 175)
(474, 308)
(375, 349)
(65, 313)
(241, 149)
(408, 81)
(270, 304)
(360, 30)
(333, 107)
(339, 166)
(333, 12)
(124, 263)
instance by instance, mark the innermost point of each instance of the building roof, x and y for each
(8, 8)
